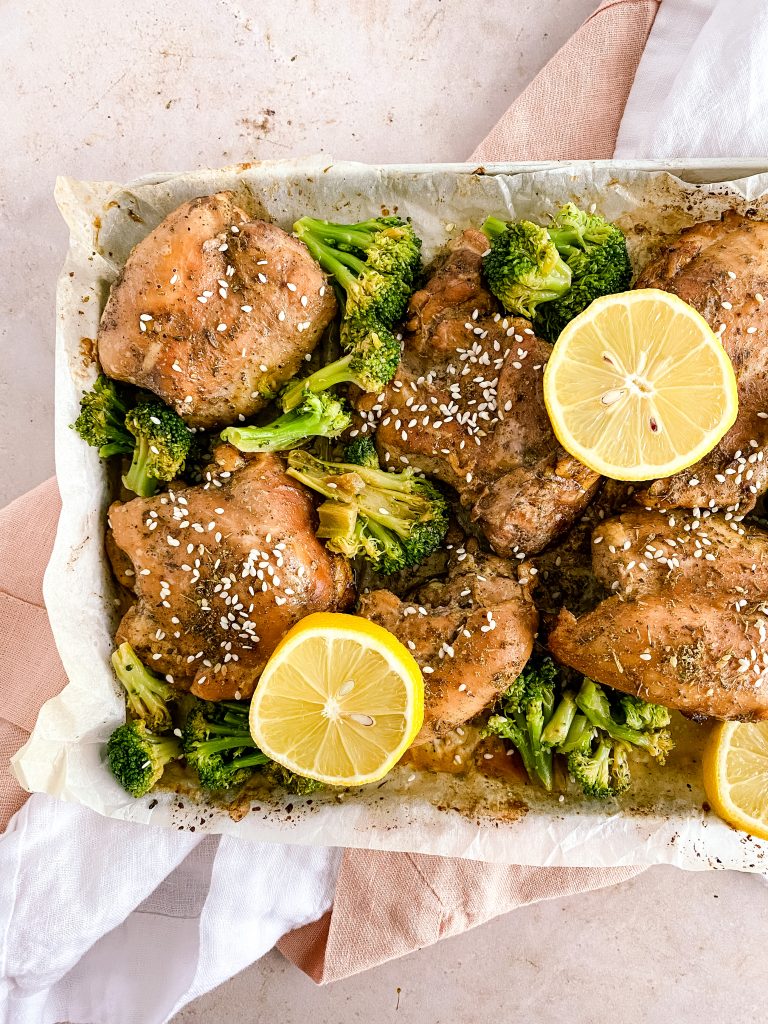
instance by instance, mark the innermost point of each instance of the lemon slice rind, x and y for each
(581, 384)
(735, 766)
(289, 714)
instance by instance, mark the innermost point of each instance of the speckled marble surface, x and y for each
(114, 90)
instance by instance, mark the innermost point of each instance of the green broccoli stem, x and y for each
(137, 479)
(146, 693)
(345, 267)
(326, 377)
(251, 761)
(556, 730)
(287, 431)
(116, 448)
(593, 702)
(385, 498)
(493, 227)
(165, 748)
(523, 748)
(542, 759)
(579, 736)
(228, 742)
(358, 235)
(337, 520)
(321, 482)
(515, 730)
(566, 239)
(389, 512)
(124, 439)
(542, 756)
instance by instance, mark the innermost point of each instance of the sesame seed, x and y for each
(246, 309)
(221, 327)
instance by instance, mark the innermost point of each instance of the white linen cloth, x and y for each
(701, 87)
(80, 894)
(106, 922)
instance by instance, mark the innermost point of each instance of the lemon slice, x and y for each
(736, 775)
(340, 700)
(638, 387)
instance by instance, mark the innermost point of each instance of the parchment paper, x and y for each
(663, 819)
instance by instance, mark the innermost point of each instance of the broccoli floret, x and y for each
(596, 253)
(146, 694)
(620, 777)
(219, 746)
(639, 714)
(298, 784)
(527, 707)
(592, 771)
(374, 262)
(371, 361)
(317, 416)
(101, 422)
(392, 519)
(551, 274)
(162, 443)
(362, 452)
(137, 759)
(581, 726)
(593, 702)
(523, 266)
(603, 773)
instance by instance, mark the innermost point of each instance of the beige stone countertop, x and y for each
(105, 90)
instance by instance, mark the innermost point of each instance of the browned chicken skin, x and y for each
(221, 571)
(467, 407)
(688, 624)
(721, 269)
(471, 634)
(214, 312)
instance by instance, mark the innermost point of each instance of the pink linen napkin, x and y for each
(410, 900)
(573, 108)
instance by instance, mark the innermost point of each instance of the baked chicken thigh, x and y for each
(221, 571)
(214, 312)
(721, 269)
(687, 625)
(471, 634)
(466, 406)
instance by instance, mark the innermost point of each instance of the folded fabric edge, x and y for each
(590, 76)
(323, 949)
